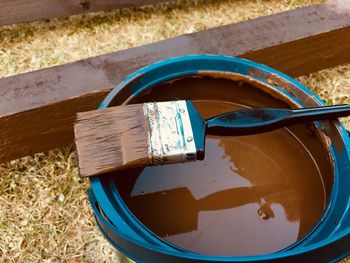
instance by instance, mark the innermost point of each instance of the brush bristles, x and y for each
(111, 139)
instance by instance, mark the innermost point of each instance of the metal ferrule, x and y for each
(170, 135)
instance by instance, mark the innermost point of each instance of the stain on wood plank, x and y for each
(24, 11)
(296, 42)
(47, 127)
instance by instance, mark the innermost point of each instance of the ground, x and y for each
(44, 212)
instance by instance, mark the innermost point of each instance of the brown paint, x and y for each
(251, 195)
(34, 96)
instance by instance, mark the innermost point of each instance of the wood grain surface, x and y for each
(15, 11)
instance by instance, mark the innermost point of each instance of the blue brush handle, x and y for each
(253, 121)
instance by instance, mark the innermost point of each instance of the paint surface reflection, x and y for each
(247, 197)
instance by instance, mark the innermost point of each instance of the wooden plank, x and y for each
(15, 11)
(38, 108)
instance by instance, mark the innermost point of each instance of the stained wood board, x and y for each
(15, 11)
(37, 109)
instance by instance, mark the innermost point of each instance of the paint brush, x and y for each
(158, 133)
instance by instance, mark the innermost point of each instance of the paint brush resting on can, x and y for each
(158, 133)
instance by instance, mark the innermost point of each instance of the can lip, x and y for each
(222, 63)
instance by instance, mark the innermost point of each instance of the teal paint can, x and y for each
(328, 239)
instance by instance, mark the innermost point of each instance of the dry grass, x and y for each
(44, 212)
(46, 43)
